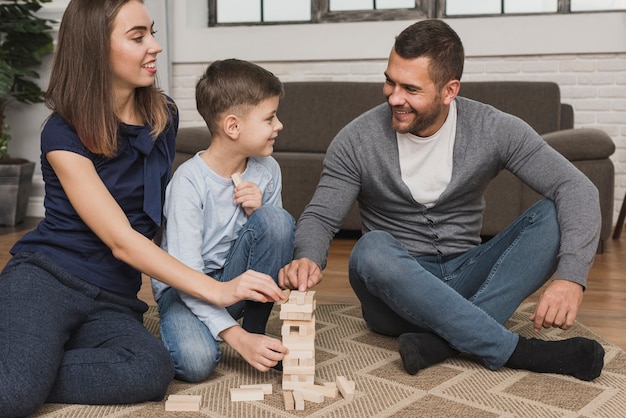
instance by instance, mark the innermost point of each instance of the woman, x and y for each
(70, 322)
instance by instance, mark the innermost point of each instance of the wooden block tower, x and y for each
(298, 332)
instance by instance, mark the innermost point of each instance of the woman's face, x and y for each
(133, 48)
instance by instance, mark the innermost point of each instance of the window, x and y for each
(497, 7)
(597, 5)
(257, 12)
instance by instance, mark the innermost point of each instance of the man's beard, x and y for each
(421, 121)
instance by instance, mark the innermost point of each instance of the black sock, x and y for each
(255, 319)
(420, 350)
(255, 316)
(579, 357)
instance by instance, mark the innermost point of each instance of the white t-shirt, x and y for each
(426, 163)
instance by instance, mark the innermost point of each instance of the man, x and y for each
(419, 166)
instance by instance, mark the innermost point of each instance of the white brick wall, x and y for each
(595, 85)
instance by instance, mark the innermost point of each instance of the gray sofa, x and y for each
(313, 112)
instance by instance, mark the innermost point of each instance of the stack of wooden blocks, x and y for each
(298, 332)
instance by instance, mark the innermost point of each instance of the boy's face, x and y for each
(259, 128)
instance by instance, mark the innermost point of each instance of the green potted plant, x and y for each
(24, 40)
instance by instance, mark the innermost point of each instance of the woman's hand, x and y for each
(250, 285)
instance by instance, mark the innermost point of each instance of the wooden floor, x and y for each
(603, 309)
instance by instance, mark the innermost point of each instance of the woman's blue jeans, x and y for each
(65, 340)
(464, 298)
(265, 244)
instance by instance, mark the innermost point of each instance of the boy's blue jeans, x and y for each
(265, 244)
(464, 298)
(65, 340)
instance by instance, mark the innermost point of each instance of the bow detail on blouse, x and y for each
(153, 193)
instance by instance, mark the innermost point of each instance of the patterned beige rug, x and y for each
(344, 346)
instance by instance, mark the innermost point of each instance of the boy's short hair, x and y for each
(233, 85)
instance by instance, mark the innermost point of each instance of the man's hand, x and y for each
(300, 274)
(558, 305)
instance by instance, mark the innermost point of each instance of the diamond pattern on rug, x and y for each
(459, 387)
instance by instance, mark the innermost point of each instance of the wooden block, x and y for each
(311, 395)
(306, 361)
(302, 379)
(346, 387)
(185, 398)
(300, 298)
(332, 387)
(299, 341)
(286, 292)
(327, 391)
(303, 370)
(295, 316)
(246, 394)
(183, 403)
(298, 327)
(237, 179)
(309, 298)
(301, 346)
(300, 354)
(290, 361)
(298, 400)
(291, 307)
(297, 382)
(290, 403)
(293, 296)
(266, 387)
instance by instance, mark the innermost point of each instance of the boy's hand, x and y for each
(249, 196)
(260, 351)
(251, 285)
(300, 274)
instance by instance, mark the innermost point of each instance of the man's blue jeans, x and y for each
(464, 298)
(265, 244)
(65, 340)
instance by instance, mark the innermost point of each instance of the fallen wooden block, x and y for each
(299, 400)
(311, 395)
(290, 403)
(246, 394)
(266, 387)
(183, 403)
(346, 387)
(329, 390)
(332, 386)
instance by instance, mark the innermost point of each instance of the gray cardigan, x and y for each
(362, 163)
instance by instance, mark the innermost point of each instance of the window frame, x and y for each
(424, 9)
(320, 14)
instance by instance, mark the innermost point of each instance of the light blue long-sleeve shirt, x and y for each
(202, 222)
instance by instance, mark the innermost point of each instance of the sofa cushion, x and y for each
(314, 112)
(538, 103)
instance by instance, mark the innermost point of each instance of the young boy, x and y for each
(226, 228)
